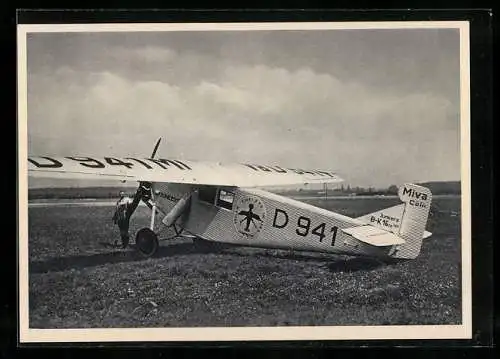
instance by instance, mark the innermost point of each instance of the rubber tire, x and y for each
(146, 242)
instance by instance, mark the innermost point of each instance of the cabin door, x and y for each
(208, 203)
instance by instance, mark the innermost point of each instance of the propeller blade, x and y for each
(156, 148)
(144, 186)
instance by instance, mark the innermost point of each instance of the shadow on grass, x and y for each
(335, 264)
(117, 256)
(356, 264)
(283, 254)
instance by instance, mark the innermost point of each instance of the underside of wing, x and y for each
(174, 171)
(373, 235)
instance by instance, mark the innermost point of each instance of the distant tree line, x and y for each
(447, 187)
(438, 188)
(113, 192)
(78, 192)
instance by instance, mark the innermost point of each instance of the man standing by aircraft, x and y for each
(121, 217)
(125, 207)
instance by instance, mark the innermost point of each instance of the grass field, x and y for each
(78, 281)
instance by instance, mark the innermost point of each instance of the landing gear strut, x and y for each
(146, 240)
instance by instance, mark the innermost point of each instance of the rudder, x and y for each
(417, 203)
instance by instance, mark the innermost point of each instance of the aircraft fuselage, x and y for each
(257, 218)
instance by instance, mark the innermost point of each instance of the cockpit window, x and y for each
(225, 199)
(207, 194)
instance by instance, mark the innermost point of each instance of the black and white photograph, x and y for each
(244, 181)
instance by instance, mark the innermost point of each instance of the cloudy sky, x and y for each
(379, 106)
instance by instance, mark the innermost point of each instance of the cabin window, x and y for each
(207, 194)
(225, 199)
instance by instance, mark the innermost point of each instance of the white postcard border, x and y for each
(28, 335)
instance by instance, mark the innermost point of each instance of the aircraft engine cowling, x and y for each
(144, 190)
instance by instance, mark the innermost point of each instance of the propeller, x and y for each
(144, 190)
(156, 148)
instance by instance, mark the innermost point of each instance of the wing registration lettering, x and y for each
(91, 162)
(87, 162)
(48, 163)
(174, 171)
(145, 164)
(299, 171)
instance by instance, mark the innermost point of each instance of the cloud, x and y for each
(148, 54)
(253, 113)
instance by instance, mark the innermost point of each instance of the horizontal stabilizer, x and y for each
(388, 219)
(373, 235)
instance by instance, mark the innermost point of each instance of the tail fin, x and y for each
(407, 220)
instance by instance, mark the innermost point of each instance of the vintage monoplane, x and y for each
(222, 203)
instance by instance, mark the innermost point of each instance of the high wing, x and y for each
(175, 171)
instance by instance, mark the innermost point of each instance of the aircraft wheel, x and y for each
(146, 242)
